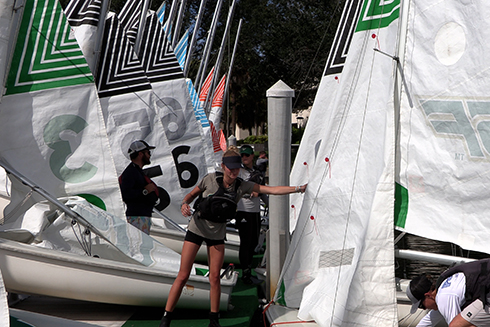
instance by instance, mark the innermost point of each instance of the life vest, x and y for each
(477, 275)
(220, 206)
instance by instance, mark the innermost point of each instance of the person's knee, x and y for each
(214, 278)
(182, 278)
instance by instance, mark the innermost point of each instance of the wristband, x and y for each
(183, 202)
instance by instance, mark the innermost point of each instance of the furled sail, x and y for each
(339, 270)
(444, 152)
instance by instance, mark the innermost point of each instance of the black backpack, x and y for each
(220, 206)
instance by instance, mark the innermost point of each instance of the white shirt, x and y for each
(449, 299)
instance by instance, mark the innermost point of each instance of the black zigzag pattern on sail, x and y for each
(343, 38)
(83, 12)
(119, 70)
(156, 54)
(129, 18)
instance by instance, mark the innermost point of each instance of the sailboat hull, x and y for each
(30, 270)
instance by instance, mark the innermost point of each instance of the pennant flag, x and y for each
(51, 123)
(217, 103)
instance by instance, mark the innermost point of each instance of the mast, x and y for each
(170, 18)
(100, 33)
(178, 25)
(221, 53)
(141, 26)
(7, 22)
(228, 76)
(207, 48)
(194, 36)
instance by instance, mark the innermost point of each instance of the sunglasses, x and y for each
(245, 155)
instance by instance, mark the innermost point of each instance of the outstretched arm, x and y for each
(279, 190)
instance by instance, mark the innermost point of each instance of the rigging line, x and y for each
(317, 51)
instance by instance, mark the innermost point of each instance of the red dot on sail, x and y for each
(292, 205)
(373, 36)
(312, 218)
(305, 163)
(327, 160)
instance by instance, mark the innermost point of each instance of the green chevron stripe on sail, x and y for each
(378, 14)
(46, 55)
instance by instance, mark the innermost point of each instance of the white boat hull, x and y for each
(30, 270)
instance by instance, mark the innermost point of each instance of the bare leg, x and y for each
(216, 254)
(189, 251)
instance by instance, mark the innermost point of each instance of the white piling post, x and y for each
(279, 109)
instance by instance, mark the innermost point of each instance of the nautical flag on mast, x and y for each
(51, 123)
(217, 104)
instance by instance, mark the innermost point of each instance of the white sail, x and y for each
(339, 269)
(52, 128)
(445, 124)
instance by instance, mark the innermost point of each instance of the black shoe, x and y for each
(165, 322)
(214, 324)
(214, 319)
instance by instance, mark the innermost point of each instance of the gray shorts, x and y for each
(477, 314)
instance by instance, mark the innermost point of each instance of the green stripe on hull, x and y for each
(46, 55)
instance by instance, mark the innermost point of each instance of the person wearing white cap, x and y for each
(210, 226)
(460, 296)
(138, 191)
